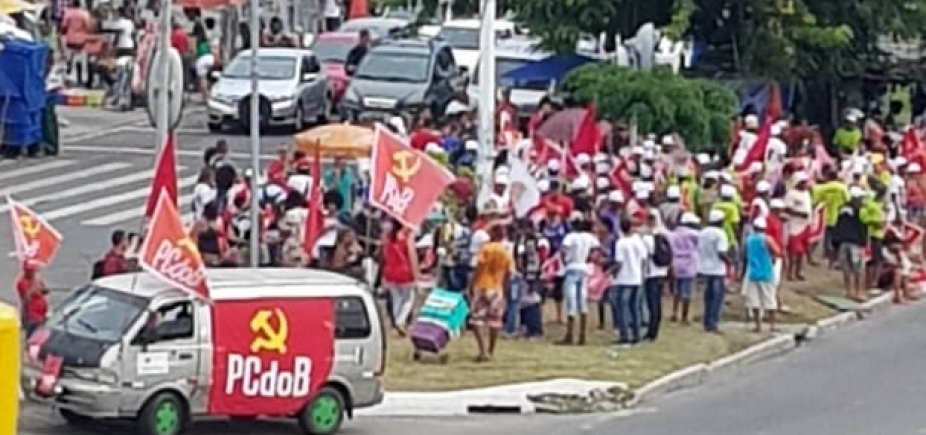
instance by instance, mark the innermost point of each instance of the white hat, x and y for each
(776, 129)
(580, 183)
(673, 192)
(711, 175)
(602, 183)
(471, 145)
(800, 177)
(502, 170)
(715, 215)
(434, 148)
(553, 165)
(641, 194)
(576, 216)
(637, 150)
(858, 168)
(755, 167)
(583, 159)
(914, 168)
(455, 108)
(727, 191)
(601, 157)
(776, 203)
(668, 140)
(857, 192)
(543, 185)
(689, 218)
(898, 162)
(760, 223)
(602, 167)
(646, 171)
(649, 143)
(751, 121)
(616, 196)
(398, 124)
(852, 116)
(763, 186)
(501, 178)
(703, 158)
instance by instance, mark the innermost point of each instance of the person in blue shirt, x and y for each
(760, 286)
(341, 179)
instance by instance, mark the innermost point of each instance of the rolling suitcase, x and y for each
(440, 318)
(430, 337)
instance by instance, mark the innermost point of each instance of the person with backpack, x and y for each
(114, 262)
(659, 252)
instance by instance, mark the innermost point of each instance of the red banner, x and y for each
(404, 183)
(35, 239)
(170, 254)
(817, 224)
(270, 355)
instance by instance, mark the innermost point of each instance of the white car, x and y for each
(463, 37)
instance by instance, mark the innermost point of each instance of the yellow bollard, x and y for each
(10, 351)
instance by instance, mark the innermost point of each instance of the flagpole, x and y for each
(162, 111)
(255, 133)
(487, 93)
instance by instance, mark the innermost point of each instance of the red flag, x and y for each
(315, 221)
(620, 176)
(35, 239)
(165, 177)
(774, 109)
(587, 138)
(757, 151)
(170, 254)
(910, 146)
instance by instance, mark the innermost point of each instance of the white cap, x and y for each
(751, 121)
(616, 196)
(703, 158)
(434, 148)
(646, 171)
(649, 143)
(602, 183)
(553, 165)
(576, 216)
(583, 159)
(501, 178)
(776, 203)
(755, 167)
(858, 168)
(776, 129)
(914, 168)
(801, 177)
(727, 191)
(641, 194)
(398, 124)
(455, 108)
(637, 150)
(689, 218)
(760, 223)
(668, 140)
(715, 216)
(471, 145)
(602, 167)
(898, 162)
(673, 192)
(857, 192)
(601, 157)
(580, 183)
(763, 186)
(852, 116)
(543, 185)
(711, 175)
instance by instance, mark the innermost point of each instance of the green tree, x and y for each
(658, 102)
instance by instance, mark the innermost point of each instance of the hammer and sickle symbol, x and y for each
(187, 243)
(29, 226)
(266, 337)
(405, 165)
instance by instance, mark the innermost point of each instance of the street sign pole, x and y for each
(162, 110)
(255, 134)
(487, 95)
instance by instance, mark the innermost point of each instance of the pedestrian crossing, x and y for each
(90, 193)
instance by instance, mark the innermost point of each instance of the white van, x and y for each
(299, 343)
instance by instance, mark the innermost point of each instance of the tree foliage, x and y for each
(658, 102)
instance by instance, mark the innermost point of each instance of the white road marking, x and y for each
(107, 201)
(132, 213)
(86, 188)
(64, 179)
(45, 166)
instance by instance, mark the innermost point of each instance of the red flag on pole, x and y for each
(315, 220)
(587, 139)
(165, 177)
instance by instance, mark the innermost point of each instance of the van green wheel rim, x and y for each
(325, 413)
(166, 419)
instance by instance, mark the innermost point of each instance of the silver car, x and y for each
(293, 86)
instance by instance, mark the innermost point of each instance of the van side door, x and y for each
(357, 352)
(165, 351)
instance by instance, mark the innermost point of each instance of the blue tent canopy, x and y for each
(552, 68)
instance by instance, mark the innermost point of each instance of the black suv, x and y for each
(403, 75)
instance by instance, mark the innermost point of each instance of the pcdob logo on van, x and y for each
(270, 355)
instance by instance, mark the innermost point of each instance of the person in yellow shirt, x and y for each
(873, 217)
(833, 193)
(494, 268)
(731, 217)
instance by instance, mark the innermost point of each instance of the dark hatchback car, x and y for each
(403, 75)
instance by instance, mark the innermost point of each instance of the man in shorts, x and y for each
(494, 268)
(849, 236)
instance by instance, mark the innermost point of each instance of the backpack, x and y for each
(662, 254)
(97, 271)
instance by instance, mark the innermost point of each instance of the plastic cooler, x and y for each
(445, 308)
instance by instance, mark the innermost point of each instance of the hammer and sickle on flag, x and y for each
(406, 165)
(266, 336)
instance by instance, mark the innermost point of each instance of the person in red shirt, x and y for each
(423, 134)
(179, 40)
(278, 168)
(32, 297)
(558, 200)
(114, 262)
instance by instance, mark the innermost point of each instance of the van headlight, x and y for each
(107, 377)
(223, 99)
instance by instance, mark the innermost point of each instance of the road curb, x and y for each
(698, 374)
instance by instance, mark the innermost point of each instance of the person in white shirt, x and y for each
(203, 193)
(759, 208)
(777, 150)
(333, 15)
(747, 138)
(301, 179)
(799, 209)
(577, 248)
(627, 284)
(713, 261)
(659, 258)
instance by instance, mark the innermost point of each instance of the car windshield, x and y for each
(394, 67)
(333, 49)
(505, 65)
(460, 37)
(268, 67)
(98, 313)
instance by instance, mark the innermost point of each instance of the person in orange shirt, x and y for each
(494, 267)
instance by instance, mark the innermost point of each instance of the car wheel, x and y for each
(214, 127)
(299, 122)
(324, 414)
(163, 414)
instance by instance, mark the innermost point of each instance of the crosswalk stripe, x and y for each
(107, 201)
(53, 164)
(132, 213)
(64, 179)
(86, 188)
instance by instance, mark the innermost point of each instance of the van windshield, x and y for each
(98, 313)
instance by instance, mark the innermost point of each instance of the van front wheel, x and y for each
(324, 414)
(164, 414)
